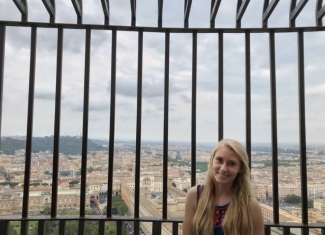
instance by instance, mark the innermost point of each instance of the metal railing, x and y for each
(268, 8)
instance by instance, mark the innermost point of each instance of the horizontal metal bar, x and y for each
(49, 7)
(21, 5)
(160, 30)
(294, 14)
(270, 9)
(144, 219)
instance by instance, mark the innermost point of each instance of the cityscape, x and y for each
(151, 180)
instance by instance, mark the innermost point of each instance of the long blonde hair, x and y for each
(238, 219)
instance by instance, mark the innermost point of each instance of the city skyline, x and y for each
(16, 81)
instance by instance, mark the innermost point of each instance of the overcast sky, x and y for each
(16, 73)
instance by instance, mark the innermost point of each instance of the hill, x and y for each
(68, 145)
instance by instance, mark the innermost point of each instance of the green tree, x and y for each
(12, 231)
(90, 169)
(185, 190)
(4, 183)
(13, 184)
(310, 203)
(292, 198)
(173, 184)
(45, 184)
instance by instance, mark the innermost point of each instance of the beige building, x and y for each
(319, 204)
(284, 190)
(260, 191)
(11, 202)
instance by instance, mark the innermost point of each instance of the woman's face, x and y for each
(225, 166)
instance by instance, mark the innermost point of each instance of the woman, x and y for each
(225, 204)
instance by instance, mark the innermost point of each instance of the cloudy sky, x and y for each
(16, 73)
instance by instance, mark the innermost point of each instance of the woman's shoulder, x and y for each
(254, 204)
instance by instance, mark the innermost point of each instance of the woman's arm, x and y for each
(257, 217)
(190, 206)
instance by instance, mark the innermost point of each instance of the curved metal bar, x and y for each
(23, 8)
(241, 8)
(267, 11)
(77, 4)
(320, 12)
(105, 5)
(215, 4)
(295, 10)
(50, 7)
(133, 4)
(187, 10)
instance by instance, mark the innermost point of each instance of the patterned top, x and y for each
(220, 213)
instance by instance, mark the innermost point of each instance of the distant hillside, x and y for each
(68, 145)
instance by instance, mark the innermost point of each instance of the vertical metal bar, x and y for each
(105, 6)
(136, 225)
(248, 96)
(57, 117)
(85, 126)
(193, 128)
(165, 141)
(264, 21)
(267, 230)
(319, 20)
(2, 60)
(101, 227)
(5, 227)
(62, 224)
(119, 227)
(215, 4)
(241, 8)
(41, 227)
(295, 11)
(187, 10)
(156, 228)
(305, 231)
(24, 227)
(175, 228)
(50, 7)
(133, 4)
(138, 129)
(292, 22)
(81, 227)
(274, 130)
(29, 135)
(286, 231)
(322, 231)
(112, 126)
(302, 128)
(77, 4)
(23, 8)
(160, 12)
(220, 85)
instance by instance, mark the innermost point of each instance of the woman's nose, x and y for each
(223, 167)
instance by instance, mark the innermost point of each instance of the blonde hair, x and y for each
(238, 219)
